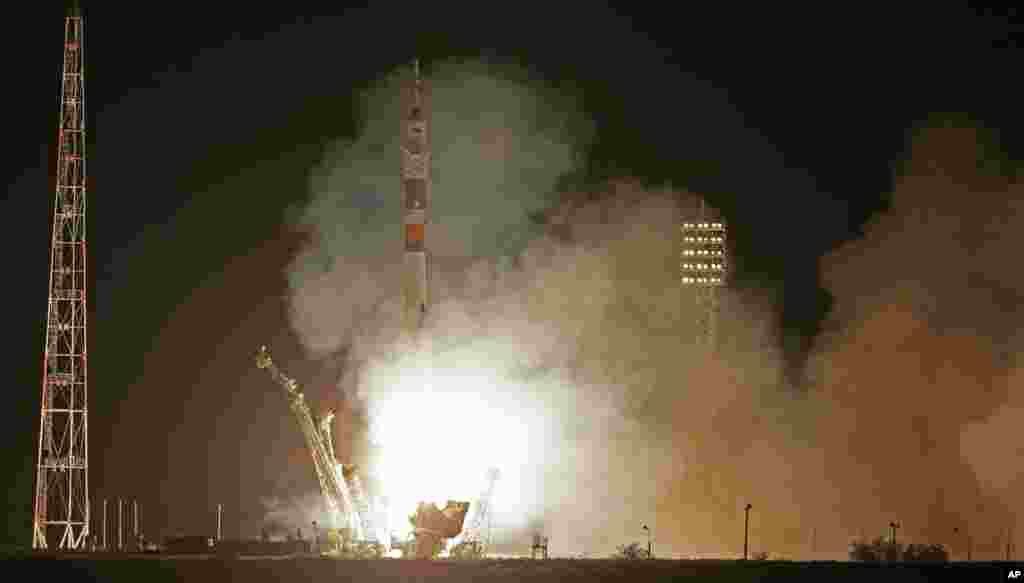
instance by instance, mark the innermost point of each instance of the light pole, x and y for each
(648, 541)
(892, 529)
(746, 529)
(1011, 545)
(135, 525)
(967, 535)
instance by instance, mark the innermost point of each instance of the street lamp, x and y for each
(967, 535)
(648, 541)
(746, 529)
(893, 526)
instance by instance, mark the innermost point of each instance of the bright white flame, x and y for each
(438, 431)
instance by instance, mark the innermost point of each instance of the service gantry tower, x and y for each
(61, 509)
(703, 265)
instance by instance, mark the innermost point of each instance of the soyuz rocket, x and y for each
(415, 146)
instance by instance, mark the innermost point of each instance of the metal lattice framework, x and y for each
(371, 530)
(61, 507)
(703, 265)
(473, 543)
(335, 491)
(339, 484)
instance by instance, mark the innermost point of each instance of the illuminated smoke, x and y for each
(918, 374)
(573, 370)
(498, 153)
(285, 518)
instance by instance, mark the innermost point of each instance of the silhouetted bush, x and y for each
(882, 550)
(631, 551)
(936, 553)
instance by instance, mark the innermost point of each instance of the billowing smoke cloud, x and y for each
(572, 367)
(918, 372)
(292, 517)
(575, 372)
(499, 144)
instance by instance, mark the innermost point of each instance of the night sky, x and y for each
(204, 121)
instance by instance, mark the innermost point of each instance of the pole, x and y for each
(1009, 542)
(746, 529)
(1013, 547)
(120, 521)
(219, 509)
(892, 529)
(135, 526)
(94, 537)
(105, 525)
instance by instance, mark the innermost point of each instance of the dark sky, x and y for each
(204, 120)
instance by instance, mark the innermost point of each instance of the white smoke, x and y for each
(574, 372)
(571, 370)
(288, 517)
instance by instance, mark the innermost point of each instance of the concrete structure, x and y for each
(434, 526)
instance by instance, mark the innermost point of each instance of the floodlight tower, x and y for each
(704, 266)
(61, 508)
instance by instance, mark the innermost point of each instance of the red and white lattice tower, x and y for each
(61, 512)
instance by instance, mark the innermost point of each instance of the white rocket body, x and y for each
(415, 144)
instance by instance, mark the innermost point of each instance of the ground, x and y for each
(256, 570)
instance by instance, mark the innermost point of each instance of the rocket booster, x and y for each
(415, 145)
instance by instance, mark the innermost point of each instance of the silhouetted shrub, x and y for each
(935, 553)
(882, 550)
(631, 551)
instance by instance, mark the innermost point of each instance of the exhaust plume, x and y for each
(564, 355)
(920, 371)
(284, 518)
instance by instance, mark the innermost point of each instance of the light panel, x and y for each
(703, 255)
